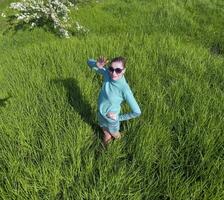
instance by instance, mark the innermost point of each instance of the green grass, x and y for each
(50, 144)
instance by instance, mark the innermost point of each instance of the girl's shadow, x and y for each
(78, 103)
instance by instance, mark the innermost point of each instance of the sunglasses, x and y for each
(117, 70)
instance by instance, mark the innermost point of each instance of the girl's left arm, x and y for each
(129, 97)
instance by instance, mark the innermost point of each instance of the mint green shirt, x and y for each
(113, 93)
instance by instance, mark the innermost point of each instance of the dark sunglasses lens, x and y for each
(111, 69)
(118, 70)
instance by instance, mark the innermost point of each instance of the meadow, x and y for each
(50, 144)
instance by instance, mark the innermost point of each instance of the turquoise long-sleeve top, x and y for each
(113, 93)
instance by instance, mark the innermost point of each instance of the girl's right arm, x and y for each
(93, 65)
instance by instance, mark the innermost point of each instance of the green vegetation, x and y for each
(50, 146)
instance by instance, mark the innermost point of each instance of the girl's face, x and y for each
(116, 70)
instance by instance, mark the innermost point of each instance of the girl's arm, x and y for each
(93, 65)
(129, 97)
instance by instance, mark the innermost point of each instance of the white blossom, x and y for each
(70, 4)
(33, 24)
(56, 12)
(81, 28)
(3, 15)
(64, 33)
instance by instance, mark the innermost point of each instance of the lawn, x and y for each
(50, 143)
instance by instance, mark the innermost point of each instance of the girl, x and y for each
(114, 91)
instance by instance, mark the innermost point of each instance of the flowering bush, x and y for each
(39, 12)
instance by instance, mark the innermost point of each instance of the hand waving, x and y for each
(101, 62)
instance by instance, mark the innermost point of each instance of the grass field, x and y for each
(50, 144)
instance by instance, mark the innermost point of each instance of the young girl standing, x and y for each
(114, 91)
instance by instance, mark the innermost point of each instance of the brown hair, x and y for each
(119, 59)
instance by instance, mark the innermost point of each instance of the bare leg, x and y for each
(107, 137)
(116, 135)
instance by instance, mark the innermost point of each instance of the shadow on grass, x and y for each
(79, 104)
(3, 101)
(217, 48)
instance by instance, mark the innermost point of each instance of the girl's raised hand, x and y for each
(101, 62)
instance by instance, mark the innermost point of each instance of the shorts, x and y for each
(113, 126)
